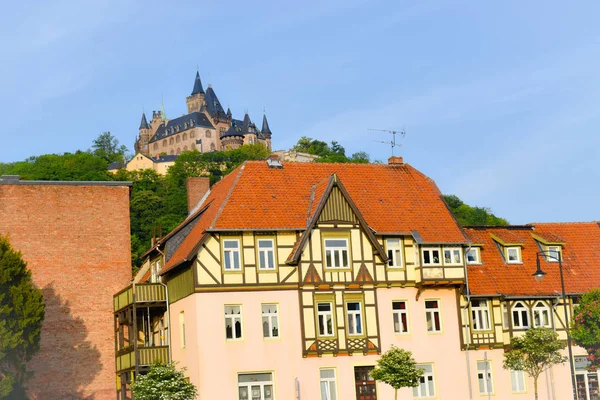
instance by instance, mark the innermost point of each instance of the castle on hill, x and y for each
(206, 127)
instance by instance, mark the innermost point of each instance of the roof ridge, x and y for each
(312, 197)
(563, 223)
(222, 206)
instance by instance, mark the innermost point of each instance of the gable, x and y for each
(337, 209)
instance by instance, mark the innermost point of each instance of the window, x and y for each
(178, 151)
(192, 134)
(266, 254)
(185, 136)
(400, 314)
(325, 317)
(270, 321)
(541, 315)
(155, 146)
(517, 381)
(233, 322)
(432, 314)
(336, 253)
(231, 255)
(328, 391)
(513, 255)
(453, 256)
(484, 376)
(426, 386)
(355, 324)
(473, 256)
(207, 134)
(182, 329)
(165, 143)
(177, 139)
(553, 254)
(480, 312)
(394, 252)
(431, 256)
(171, 141)
(185, 148)
(255, 386)
(504, 316)
(520, 316)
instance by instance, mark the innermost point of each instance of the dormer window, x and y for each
(513, 255)
(553, 254)
(431, 256)
(473, 256)
(452, 256)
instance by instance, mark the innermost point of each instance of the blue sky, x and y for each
(501, 100)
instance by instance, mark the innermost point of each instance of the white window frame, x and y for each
(539, 309)
(271, 318)
(423, 389)
(233, 318)
(518, 250)
(431, 312)
(336, 252)
(394, 252)
(454, 251)
(182, 329)
(505, 316)
(477, 253)
(553, 253)
(260, 384)
(488, 382)
(480, 314)
(324, 315)
(430, 251)
(517, 381)
(263, 255)
(397, 315)
(328, 383)
(355, 319)
(231, 255)
(521, 310)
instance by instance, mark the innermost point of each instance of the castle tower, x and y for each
(232, 139)
(266, 131)
(196, 99)
(141, 145)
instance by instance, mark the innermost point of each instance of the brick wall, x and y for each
(75, 239)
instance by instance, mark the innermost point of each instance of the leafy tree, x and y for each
(534, 352)
(21, 316)
(163, 382)
(107, 147)
(467, 215)
(334, 153)
(585, 331)
(397, 368)
(360, 157)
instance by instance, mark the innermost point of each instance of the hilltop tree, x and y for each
(534, 352)
(468, 215)
(397, 368)
(163, 382)
(21, 316)
(586, 326)
(106, 146)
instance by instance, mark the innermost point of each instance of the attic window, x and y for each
(553, 254)
(513, 255)
(473, 256)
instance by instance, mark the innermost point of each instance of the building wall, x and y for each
(75, 239)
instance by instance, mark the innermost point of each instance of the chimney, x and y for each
(196, 189)
(395, 160)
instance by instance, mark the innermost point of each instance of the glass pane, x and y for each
(327, 373)
(335, 242)
(261, 259)
(336, 262)
(397, 257)
(265, 243)
(274, 327)
(230, 244)
(456, 255)
(236, 260)
(271, 264)
(396, 323)
(426, 257)
(268, 392)
(243, 392)
(351, 325)
(255, 392)
(447, 257)
(344, 258)
(404, 323)
(265, 324)
(324, 394)
(332, 390)
(430, 386)
(431, 304)
(436, 256)
(399, 305)
(393, 242)
(358, 324)
(227, 256)
(324, 306)
(254, 378)
(353, 306)
(328, 258)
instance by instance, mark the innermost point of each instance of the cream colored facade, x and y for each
(141, 162)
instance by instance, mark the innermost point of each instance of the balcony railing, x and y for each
(140, 293)
(145, 356)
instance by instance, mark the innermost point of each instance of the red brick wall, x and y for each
(76, 241)
(196, 189)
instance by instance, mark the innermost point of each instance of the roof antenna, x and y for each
(392, 143)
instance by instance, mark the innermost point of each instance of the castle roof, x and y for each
(265, 126)
(181, 124)
(232, 131)
(213, 105)
(392, 199)
(197, 85)
(144, 123)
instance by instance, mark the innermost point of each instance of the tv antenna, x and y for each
(392, 143)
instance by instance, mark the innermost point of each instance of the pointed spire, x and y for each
(228, 112)
(163, 115)
(197, 85)
(265, 127)
(144, 123)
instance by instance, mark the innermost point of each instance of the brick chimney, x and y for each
(196, 189)
(395, 160)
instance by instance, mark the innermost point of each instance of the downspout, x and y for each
(168, 312)
(467, 333)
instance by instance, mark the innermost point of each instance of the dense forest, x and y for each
(159, 203)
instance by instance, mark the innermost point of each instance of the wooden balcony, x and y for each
(140, 293)
(127, 359)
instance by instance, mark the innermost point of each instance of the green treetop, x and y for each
(397, 368)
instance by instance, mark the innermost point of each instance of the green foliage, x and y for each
(534, 352)
(467, 215)
(397, 368)
(586, 326)
(79, 166)
(106, 146)
(163, 382)
(21, 316)
(334, 153)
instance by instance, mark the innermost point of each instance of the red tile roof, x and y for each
(392, 199)
(580, 252)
